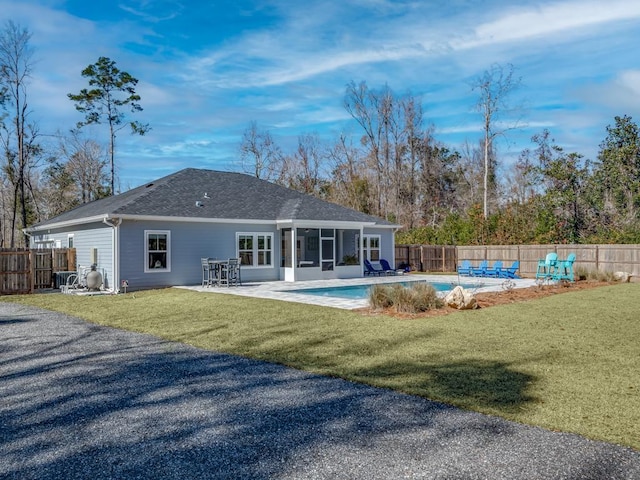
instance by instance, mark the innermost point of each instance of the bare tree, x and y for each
(85, 164)
(381, 115)
(303, 169)
(363, 106)
(350, 184)
(259, 154)
(18, 138)
(494, 86)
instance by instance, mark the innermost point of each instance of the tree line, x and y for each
(392, 167)
(398, 170)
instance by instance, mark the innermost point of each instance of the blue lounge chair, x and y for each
(370, 270)
(480, 269)
(510, 272)
(495, 270)
(547, 267)
(387, 268)
(464, 268)
(564, 268)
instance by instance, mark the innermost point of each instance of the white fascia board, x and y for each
(323, 224)
(157, 218)
(392, 227)
(290, 223)
(68, 223)
(332, 224)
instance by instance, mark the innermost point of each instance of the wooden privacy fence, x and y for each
(427, 258)
(606, 258)
(25, 271)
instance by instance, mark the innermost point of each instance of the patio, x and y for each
(288, 291)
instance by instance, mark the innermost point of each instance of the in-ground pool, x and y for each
(360, 292)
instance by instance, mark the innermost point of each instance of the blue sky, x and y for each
(206, 69)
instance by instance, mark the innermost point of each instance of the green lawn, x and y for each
(568, 362)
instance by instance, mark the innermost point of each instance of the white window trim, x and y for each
(70, 238)
(255, 250)
(367, 251)
(146, 251)
(43, 244)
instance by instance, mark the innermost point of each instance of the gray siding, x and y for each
(85, 238)
(189, 243)
(387, 250)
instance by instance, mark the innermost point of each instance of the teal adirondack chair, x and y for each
(564, 268)
(547, 267)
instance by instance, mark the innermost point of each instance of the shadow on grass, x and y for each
(474, 384)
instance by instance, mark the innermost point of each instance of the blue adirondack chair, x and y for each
(547, 267)
(564, 268)
(495, 270)
(480, 269)
(464, 268)
(510, 272)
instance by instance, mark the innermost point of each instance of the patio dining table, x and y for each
(224, 272)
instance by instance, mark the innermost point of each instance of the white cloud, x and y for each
(630, 81)
(620, 95)
(549, 20)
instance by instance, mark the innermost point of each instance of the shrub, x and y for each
(426, 297)
(419, 297)
(403, 300)
(380, 297)
(584, 273)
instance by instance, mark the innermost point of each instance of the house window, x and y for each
(157, 251)
(70, 241)
(255, 249)
(371, 247)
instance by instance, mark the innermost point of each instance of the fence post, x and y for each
(408, 255)
(32, 271)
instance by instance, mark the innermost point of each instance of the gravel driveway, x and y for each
(82, 401)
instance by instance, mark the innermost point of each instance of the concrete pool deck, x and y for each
(289, 291)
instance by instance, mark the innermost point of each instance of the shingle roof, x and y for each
(235, 196)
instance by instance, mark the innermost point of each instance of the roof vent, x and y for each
(206, 195)
(199, 204)
(149, 185)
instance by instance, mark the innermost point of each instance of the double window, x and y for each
(255, 249)
(371, 247)
(157, 250)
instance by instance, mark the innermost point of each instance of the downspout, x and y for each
(27, 234)
(115, 257)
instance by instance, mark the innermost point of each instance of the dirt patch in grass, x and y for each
(491, 299)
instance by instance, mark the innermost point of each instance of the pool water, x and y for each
(361, 292)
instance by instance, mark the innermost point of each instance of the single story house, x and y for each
(155, 235)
